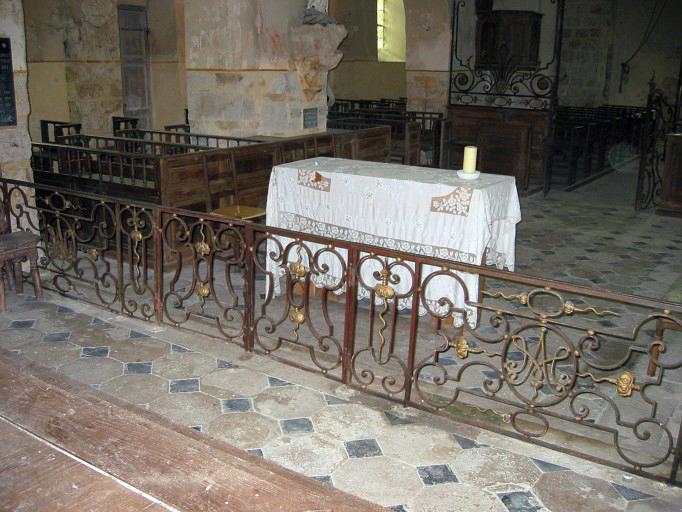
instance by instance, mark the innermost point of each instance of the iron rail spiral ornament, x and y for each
(552, 363)
(300, 266)
(506, 83)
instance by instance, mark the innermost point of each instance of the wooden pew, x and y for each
(190, 176)
(123, 123)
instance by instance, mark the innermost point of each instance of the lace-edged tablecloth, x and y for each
(426, 211)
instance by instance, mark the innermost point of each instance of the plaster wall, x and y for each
(15, 143)
(75, 68)
(166, 20)
(585, 52)
(601, 34)
(369, 80)
(659, 57)
(252, 67)
(429, 35)
(74, 63)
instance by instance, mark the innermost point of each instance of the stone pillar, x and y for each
(252, 68)
(15, 143)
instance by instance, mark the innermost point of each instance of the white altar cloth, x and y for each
(427, 211)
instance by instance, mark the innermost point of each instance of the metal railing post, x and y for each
(158, 265)
(414, 327)
(351, 307)
(249, 286)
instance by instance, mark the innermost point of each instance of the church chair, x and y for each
(14, 248)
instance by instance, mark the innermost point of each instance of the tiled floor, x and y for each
(400, 458)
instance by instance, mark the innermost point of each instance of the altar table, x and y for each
(426, 211)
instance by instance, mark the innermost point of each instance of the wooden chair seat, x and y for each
(14, 247)
(18, 239)
(238, 211)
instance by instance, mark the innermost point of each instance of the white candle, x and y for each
(469, 164)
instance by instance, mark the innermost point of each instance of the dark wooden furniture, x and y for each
(50, 131)
(14, 248)
(152, 167)
(360, 114)
(671, 188)
(510, 141)
(502, 35)
(119, 123)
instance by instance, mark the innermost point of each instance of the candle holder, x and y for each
(468, 175)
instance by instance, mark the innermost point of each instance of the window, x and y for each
(390, 31)
(381, 28)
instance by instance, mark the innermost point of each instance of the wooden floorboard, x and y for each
(176, 465)
(35, 477)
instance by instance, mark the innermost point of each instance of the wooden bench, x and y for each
(192, 176)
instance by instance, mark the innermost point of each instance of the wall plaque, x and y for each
(8, 108)
(309, 118)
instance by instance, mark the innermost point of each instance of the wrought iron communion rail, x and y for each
(580, 370)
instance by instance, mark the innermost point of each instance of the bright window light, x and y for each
(381, 29)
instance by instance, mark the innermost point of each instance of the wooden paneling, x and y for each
(202, 180)
(412, 144)
(374, 144)
(509, 141)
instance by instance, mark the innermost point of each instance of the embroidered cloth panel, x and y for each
(420, 210)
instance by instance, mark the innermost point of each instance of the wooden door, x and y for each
(132, 22)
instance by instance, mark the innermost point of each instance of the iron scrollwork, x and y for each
(507, 82)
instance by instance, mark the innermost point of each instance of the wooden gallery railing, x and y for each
(187, 138)
(580, 370)
(189, 176)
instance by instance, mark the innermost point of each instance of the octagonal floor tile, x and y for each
(245, 430)
(492, 466)
(419, 445)
(454, 498)
(137, 388)
(14, 338)
(558, 493)
(51, 355)
(311, 455)
(234, 382)
(379, 479)
(284, 402)
(93, 370)
(187, 408)
(349, 422)
(89, 337)
(138, 350)
(183, 365)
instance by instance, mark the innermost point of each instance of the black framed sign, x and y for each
(8, 107)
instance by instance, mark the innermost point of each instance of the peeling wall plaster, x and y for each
(15, 143)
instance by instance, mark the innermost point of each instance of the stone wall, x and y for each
(585, 51)
(74, 45)
(167, 61)
(15, 143)
(659, 57)
(74, 61)
(600, 34)
(428, 27)
(252, 67)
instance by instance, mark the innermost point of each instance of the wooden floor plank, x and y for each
(39, 478)
(175, 465)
